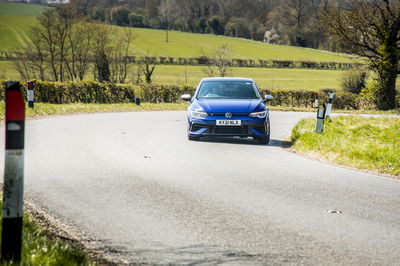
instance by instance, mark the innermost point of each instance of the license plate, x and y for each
(229, 122)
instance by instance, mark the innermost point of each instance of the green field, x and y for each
(16, 18)
(265, 77)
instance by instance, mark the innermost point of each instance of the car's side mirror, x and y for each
(186, 97)
(268, 98)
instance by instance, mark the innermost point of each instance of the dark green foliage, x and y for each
(354, 81)
(136, 20)
(216, 25)
(120, 15)
(102, 67)
(94, 92)
(303, 98)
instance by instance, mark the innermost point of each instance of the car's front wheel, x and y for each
(263, 140)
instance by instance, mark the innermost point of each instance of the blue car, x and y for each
(228, 107)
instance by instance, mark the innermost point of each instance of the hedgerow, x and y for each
(103, 93)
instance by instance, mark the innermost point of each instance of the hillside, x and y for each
(16, 18)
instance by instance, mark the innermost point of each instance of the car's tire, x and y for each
(263, 140)
(193, 138)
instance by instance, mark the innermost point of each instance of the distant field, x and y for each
(15, 19)
(20, 9)
(265, 77)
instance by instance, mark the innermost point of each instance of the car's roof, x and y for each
(227, 79)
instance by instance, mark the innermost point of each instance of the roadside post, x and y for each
(320, 119)
(11, 238)
(315, 100)
(30, 94)
(330, 102)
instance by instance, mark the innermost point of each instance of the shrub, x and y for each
(94, 92)
(353, 81)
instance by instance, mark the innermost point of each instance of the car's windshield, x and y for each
(227, 90)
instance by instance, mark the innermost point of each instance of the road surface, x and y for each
(134, 182)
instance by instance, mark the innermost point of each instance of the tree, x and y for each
(102, 48)
(31, 60)
(119, 66)
(166, 13)
(80, 42)
(218, 63)
(54, 26)
(371, 29)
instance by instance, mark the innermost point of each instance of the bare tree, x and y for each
(218, 62)
(371, 29)
(80, 44)
(54, 26)
(119, 66)
(165, 9)
(31, 59)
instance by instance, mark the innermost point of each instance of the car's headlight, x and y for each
(198, 114)
(262, 114)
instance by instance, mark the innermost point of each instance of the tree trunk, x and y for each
(386, 93)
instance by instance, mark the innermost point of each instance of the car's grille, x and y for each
(223, 114)
(228, 129)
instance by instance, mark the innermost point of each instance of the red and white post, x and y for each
(30, 94)
(13, 194)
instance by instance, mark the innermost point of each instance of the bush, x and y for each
(353, 81)
(94, 92)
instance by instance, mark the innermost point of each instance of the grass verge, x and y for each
(39, 249)
(362, 142)
(45, 109)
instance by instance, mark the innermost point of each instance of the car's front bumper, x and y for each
(250, 127)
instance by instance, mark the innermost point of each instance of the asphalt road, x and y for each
(134, 182)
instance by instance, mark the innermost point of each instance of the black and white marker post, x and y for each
(13, 194)
(31, 94)
(330, 102)
(320, 119)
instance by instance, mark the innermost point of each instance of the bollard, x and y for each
(30, 94)
(330, 102)
(320, 119)
(316, 100)
(13, 174)
(137, 101)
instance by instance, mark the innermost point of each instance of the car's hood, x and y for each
(227, 105)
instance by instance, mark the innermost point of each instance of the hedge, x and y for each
(94, 92)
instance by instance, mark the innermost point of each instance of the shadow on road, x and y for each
(204, 255)
(247, 141)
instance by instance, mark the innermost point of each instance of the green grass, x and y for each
(265, 77)
(45, 109)
(16, 18)
(39, 249)
(20, 9)
(272, 78)
(365, 143)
